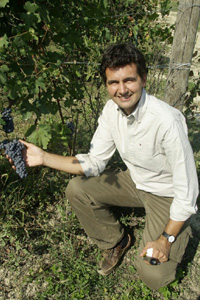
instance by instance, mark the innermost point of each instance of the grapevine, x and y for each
(71, 126)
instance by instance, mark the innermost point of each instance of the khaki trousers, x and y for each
(91, 199)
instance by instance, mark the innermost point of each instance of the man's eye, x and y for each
(113, 83)
(130, 80)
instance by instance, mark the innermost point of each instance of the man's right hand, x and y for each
(33, 155)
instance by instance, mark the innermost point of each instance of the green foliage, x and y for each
(174, 5)
(50, 51)
(41, 136)
(172, 290)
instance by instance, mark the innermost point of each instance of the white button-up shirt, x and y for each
(153, 143)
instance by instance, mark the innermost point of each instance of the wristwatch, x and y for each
(169, 237)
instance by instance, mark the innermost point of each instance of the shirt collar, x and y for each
(140, 110)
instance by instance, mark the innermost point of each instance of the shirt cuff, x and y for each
(88, 166)
(181, 212)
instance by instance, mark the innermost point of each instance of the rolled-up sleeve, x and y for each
(102, 147)
(185, 182)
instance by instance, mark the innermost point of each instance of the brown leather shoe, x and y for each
(112, 257)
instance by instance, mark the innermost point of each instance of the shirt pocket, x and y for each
(148, 156)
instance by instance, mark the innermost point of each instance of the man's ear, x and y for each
(144, 80)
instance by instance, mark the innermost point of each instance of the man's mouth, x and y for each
(125, 98)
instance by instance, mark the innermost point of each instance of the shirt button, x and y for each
(130, 120)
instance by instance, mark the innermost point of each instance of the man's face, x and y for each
(124, 86)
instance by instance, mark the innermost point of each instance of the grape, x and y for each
(71, 126)
(14, 150)
(6, 116)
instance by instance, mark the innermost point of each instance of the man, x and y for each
(151, 137)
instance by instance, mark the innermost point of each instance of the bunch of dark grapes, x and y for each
(8, 127)
(14, 150)
(71, 126)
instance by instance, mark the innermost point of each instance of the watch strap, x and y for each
(169, 237)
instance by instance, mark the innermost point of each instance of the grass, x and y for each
(45, 254)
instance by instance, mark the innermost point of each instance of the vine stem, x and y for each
(59, 106)
(75, 134)
(60, 111)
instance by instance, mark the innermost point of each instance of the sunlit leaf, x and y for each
(3, 3)
(31, 7)
(40, 136)
(4, 41)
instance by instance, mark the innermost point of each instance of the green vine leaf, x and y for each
(31, 7)
(105, 3)
(2, 121)
(40, 136)
(39, 84)
(4, 42)
(3, 3)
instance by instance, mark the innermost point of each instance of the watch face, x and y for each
(171, 239)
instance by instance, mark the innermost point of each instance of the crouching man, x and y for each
(151, 138)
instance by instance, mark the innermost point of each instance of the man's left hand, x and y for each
(161, 249)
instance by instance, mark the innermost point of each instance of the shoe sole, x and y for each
(103, 273)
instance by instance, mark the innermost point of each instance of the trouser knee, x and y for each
(72, 188)
(75, 187)
(156, 277)
(77, 192)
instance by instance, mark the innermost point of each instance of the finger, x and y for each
(162, 255)
(9, 159)
(156, 253)
(144, 250)
(24, 143)
(163, 259)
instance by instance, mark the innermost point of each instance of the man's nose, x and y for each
(122, 88)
